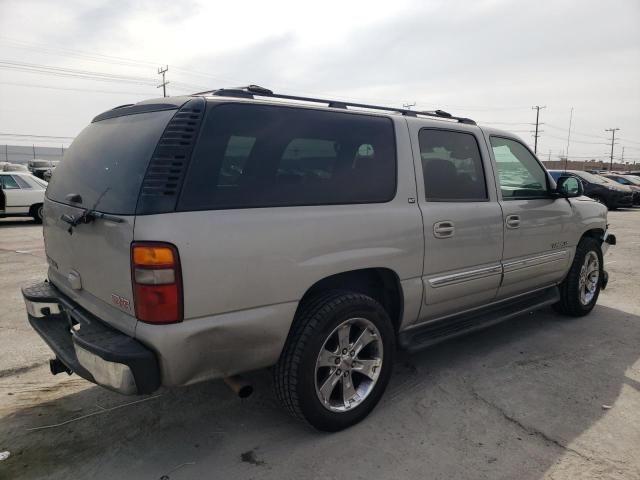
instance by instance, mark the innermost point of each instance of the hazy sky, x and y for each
(490, 60)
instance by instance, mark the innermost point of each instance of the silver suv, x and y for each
(200, 237)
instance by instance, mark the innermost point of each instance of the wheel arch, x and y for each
(34, 207)
(595, 233)
(380, 283)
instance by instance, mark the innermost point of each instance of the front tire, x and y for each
(337, 360)
(580, 289)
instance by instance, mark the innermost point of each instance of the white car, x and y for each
(21, 194)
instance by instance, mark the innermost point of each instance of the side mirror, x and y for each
(569, 187)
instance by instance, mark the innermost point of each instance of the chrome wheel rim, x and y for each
(40, 209)
(348, 365)
(589, 277)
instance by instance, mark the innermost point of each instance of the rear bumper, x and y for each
(87, 346)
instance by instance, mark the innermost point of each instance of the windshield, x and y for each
(107, 162)
(589, 177)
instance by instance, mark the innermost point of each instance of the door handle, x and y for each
(513, 221)
(444, 229)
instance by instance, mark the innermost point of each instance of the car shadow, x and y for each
(511, 401)
(18, 222)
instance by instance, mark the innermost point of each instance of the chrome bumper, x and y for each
(88, 347)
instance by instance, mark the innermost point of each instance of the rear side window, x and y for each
(451, 166)
(251, 156)
(8, 182)
(107, 161)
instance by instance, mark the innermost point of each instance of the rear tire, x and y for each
(37, 212)
(337, 360)
(580, 289)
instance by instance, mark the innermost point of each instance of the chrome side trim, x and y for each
(455, 278)
(535, 261)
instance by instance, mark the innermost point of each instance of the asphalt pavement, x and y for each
(540, 396)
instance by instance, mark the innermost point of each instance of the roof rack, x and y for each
(251, 91)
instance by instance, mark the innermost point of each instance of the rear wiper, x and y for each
(87, 216)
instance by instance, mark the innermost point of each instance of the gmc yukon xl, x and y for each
(200, 237)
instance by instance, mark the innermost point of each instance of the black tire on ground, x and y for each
(295, 373)
(36, 212)
(570, 303)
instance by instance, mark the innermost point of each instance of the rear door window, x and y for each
(8, 182)
(251, 156)
(451, 166)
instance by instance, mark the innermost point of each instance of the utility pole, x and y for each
(162, 71)
(34, 151)
(569, 138)
(408, 106)
(6, 152)
(613, 139)
(537, 108)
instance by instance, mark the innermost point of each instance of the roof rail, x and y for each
(251, 91)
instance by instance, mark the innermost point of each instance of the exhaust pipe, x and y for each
(56, 367)
(239, 385)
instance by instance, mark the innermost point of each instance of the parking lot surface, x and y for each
(540, 396)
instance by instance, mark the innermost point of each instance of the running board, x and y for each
(422, 336)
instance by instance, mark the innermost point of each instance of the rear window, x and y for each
(40, 164)
(107, 162)
(251, 156)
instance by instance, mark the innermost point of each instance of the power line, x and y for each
(505, 123)
(573, 132)
(74, 73)
(71, 89)
(629, 141)
(578, 141)
(34, 136)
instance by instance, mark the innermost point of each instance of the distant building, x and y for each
(22, 154)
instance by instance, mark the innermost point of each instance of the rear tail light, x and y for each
(157, 282)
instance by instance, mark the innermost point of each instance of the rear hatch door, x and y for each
(102, 172)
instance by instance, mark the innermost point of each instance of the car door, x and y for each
(538, 227)
(462, 220)
(16, 199)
